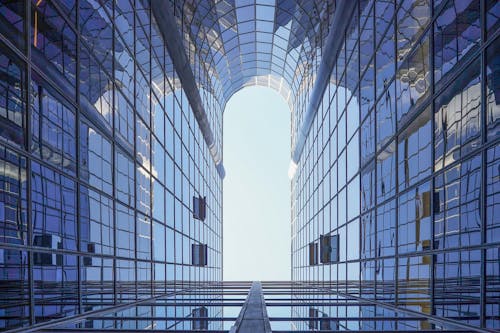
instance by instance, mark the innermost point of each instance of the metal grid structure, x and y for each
(290, 307)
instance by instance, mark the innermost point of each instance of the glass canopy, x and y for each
(236, 43)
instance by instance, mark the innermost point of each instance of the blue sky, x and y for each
(256, 189)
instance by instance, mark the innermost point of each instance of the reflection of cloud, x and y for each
(157, 88)
(146, 165)
(292, 169)
(215, 41)
(103, 103)
(387, 152)
(459, 122)
(11, 171)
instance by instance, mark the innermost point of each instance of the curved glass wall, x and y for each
(100, 158)
(400, 162)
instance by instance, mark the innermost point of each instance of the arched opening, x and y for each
(256, 200)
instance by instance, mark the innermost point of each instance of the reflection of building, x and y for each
(111, 160)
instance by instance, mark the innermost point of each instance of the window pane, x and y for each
(413, 16)
(456, 33)
(414, 219)
(386, 61)
(386, 229)
(13, 198)
(15, 294)
(368, 236)
(413, 81)
(386, 117)
(456, 206)
(414, 275)
(12, 96)
(12, 14)
(143, 237)
(492, 16)
(95, 158)
(54, 209)
(124, 178)
(96, 223)
(53, 128)
(492, 293)
(493, 194)
(493, 89)
(96, 89)
(125, 231)
(458, 277)
(62, 277)
(415, 151)
(386, 173)
(53, 37)
(368, 187)
(457, 118)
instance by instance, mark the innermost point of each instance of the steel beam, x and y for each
(334, 41)
(164, 14)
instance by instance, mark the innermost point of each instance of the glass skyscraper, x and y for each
(111, 166)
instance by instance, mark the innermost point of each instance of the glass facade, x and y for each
(100, 157)
(399, 163)
(111, 168)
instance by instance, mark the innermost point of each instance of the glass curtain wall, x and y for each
(402, 162)
(100, 158)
